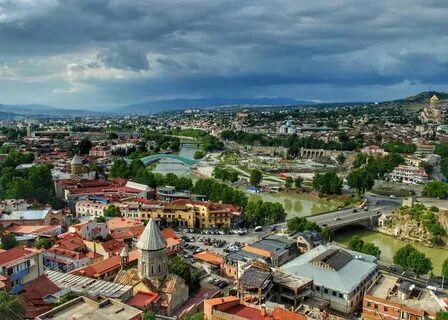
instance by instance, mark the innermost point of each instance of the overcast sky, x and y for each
(100, 53)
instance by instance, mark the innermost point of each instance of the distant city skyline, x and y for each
(96, 55)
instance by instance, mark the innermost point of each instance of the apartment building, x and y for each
(409, 174)
(391, 298)
(19, 266)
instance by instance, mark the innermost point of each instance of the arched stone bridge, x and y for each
(156, 157)
(320, 153)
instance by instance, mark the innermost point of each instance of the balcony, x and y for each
(18, 288)
(19, 275)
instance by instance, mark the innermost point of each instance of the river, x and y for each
(294, 204)
(302, 206)
(389, 246)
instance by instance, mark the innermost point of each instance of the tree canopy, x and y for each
(361, 180)
(112, 211)
(256, 176)
(410, 259)
(9, 241)
(327, 183)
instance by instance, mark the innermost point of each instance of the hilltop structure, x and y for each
(433, 114)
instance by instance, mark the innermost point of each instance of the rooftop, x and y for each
(151, 238)
(26, 215)
(386, 287)
(88, 309)
(8, 257)
(88, 285)
(344, 276)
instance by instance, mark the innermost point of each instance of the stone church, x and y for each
(152, 274)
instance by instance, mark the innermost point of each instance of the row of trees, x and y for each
(357, 244)
(259, 212)
(301, 224)
(436, 189)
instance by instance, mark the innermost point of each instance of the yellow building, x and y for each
(185, 213)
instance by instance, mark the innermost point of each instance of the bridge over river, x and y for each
(368, 218)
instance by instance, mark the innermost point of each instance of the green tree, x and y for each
(11, 307)
(40, 176)
(371, 249)
(410, 259)
(100, 219)
(445, 268)
(356, 244)
(361, 180)
(441, 150)
(298, 183)
(288, 183)
(148, 316)
(256, 176)
(360, 160)
(198, 154)
(340, 158)
(326, 234)
(327, 183)
(9, 241)
(436, 189)
(112, 211)
(300, 224)
(120, 169)
(442, 315)
(85, 145)
(43, 243)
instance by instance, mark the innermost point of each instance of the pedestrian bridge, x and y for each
(156, 157)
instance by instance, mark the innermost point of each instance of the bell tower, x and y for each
(153, 260)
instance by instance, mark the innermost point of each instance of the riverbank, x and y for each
(389, 245)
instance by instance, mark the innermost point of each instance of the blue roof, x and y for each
(26, 215)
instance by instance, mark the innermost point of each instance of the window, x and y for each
(341, 295)
(317, 288)
(334, 293)
(386, 309)
(369, 304)
(326, 291)
(376, 306)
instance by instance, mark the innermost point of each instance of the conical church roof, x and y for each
(76, 159)
(151, 238)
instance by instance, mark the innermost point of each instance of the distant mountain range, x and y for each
(8, 111)
(151, 107)
(183, 104)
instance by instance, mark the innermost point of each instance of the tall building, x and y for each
(153, 262)
(152, 275)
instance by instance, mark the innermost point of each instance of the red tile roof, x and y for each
(143, 298)
(112, 246)
(72, 244)
(97, 269)
(169, 233)
(210, 257)
(74, 255)
(10, 255)
(283, 314)
(245, 312)
(35, 291)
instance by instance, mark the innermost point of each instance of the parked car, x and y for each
(258, 228)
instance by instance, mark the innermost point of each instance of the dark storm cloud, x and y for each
(151, 49)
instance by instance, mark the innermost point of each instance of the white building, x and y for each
(89, 208)
(340, 276)
(10, 205)
(409, 174)
(90, 230)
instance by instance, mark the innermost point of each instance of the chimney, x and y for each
(263, 310)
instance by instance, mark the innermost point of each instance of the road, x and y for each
(375, 207)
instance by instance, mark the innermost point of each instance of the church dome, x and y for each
(434, 99)
(151, 238)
